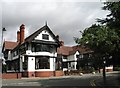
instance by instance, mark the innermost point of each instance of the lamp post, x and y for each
(104, 72)
(3, 29)
(1, 62)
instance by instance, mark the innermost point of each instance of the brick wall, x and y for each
(59, 73)
(44, 73)
(11, 75)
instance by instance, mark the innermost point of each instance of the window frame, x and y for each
(40, 62)
(45, 36)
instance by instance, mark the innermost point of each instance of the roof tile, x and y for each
(10, 45)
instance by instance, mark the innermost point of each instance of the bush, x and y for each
(117, 68)
(4, 68)
(92, 69)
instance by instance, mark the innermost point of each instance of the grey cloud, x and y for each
(65, 19)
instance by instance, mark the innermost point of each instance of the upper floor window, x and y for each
(77, 56)
(64, 57)
(45, 36)
(43, 48)
(15, 53)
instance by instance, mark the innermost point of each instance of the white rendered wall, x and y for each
(31, 63)
(29, 52)
(39, 37)
(75, 63)
(9, 55)
(73, 58)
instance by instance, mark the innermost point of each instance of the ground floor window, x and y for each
(25, 63)
(42, 63)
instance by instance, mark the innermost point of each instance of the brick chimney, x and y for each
(61, 43)
(22, 30)
(57, 36)
(18, 36)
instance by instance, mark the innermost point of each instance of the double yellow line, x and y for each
(92, 83)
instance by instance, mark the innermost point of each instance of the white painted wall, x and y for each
(9, 55)
(29, 52)
(31, 63)
(75, 63)
(52, 64)
(73, 58)
(39, 37)
(21, 65)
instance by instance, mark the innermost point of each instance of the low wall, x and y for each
(48, 73)
(106, 70)
(59, 73)
(44, 73)
(28, 74)
(11, 75)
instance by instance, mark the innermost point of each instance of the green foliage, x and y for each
(104, 39)
(113, 19)
(117, 68)
(101, 39)
(92, 69)
(4, 68)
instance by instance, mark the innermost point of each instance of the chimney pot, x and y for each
(22, 26)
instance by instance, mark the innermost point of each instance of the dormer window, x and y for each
(45, 36)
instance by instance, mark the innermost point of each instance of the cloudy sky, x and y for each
(65, 18)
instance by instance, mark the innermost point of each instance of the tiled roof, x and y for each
(10, 45)
(65, 50)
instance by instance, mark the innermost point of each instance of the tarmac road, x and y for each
(87, 80)
(65, 81)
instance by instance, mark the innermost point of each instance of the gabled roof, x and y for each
(65, 50)
(10, 45)
(81, 49)
(32, 36)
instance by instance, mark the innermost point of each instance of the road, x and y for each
(86, 80)
(68, 81)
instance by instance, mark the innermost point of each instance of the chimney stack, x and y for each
(18, 36)
(22, 29)
(57, 36)
(61, 43)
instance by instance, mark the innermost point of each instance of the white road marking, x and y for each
(21, 83)
(92, 82)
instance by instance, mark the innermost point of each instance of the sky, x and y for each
(64, 18)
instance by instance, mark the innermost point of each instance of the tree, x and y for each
(100, 39)
(104, 39)
(113, 19)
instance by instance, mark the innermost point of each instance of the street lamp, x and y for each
(104, 72)
(2, 59)
(3, 29)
